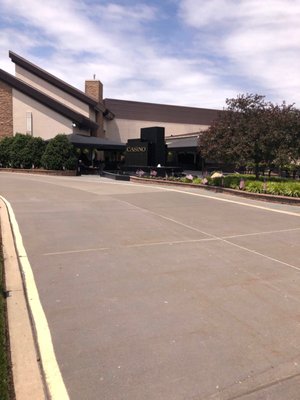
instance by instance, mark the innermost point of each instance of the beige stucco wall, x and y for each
(54, 92)
(124, 129)
(46, 123)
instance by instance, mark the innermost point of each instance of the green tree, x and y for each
(5, 146)
(287, 131)
(31, 154)
(250, 131)
(19, 142)
(59, 154)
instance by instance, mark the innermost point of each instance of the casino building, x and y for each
(37, 103)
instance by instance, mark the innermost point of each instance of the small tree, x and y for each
(19, 143)
(31, 154)
(59, 154)
(5, 146)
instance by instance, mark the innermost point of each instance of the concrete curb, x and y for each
(218, 189)
(49, 172)
(26, 368)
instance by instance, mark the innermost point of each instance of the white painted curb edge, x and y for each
(54, 381)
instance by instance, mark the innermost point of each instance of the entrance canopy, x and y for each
(92, 142)
(187, 143)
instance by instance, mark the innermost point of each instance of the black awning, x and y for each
(95, 142)
(183, 143)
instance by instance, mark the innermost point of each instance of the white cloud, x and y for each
(259, 40)
(116, 12)
(247, 13)
(109, 40)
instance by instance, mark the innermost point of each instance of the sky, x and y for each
(183, 52)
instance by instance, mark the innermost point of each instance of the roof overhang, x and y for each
(41, 73)
(95, 142)
(141, 111)
(80, 120)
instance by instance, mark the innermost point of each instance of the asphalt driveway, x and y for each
(163, 294)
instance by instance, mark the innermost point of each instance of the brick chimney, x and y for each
(94, 89)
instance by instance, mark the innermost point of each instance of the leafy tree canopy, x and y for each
(253, 131)
(19, 143)
(5, 145)
(59, 154)
(31, 154)
(21, 151)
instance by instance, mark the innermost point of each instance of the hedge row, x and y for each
(24, 151)
(274, 185)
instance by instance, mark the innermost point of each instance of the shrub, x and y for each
(186, 180)
(215, 181)
(59, 154)
(17, 147)
(5, 146)
(274, 185)
(254, 186)
(232, 181)
(284, 188)
(31, 154)
(197, 180)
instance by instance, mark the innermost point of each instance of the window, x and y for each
(29, 123)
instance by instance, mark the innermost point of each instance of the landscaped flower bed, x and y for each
(265, 185)
(273, 185)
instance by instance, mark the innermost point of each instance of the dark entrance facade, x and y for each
(149, 150)
(149, 153)
(96, 154)
(183, 151)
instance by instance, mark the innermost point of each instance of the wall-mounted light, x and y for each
(74, 124)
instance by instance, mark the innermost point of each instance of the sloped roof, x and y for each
(42, 98)
(41, 73)
(134, 110)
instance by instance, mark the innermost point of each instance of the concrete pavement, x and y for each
(155, 293)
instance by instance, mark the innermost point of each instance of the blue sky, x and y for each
(185, 52)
